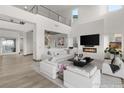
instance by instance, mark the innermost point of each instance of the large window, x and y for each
(112, 8)
(75, 13)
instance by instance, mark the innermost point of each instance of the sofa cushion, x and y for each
(57, 59)
(118, 61)
(86, 71)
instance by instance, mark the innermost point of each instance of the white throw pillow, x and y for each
(118, 61)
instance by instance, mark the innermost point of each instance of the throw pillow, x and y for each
(118, 61)
(114, 68)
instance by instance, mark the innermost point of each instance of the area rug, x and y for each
(110, 82)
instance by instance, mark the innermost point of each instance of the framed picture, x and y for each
(61, 41)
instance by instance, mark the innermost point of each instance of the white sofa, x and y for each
(49, 65)
(85, 77)
(107, 70)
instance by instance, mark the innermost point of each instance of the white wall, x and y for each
(90, 13)
(17, 13)
(114, 22)
(28, 43)
(21, 44)
(95, 27)
(17, 27)
(86, 12)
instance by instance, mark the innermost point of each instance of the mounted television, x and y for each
(89, 40)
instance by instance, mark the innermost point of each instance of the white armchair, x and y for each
(107, 70)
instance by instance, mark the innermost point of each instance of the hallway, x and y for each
(16, 72)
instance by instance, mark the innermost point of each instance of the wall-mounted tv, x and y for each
(90, 40)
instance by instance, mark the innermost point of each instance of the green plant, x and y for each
(113, 51)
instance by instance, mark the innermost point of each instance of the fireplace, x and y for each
(90, 50)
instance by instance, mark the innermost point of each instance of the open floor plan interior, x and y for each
(61, 46)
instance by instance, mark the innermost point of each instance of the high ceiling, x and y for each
(65, 7)
(58, 8)
(29, 7)
(63, 10)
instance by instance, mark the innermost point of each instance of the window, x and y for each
(8, 45)
(112, 8)
(75, 13)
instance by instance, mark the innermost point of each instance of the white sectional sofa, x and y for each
(88, 76)
(49, 64)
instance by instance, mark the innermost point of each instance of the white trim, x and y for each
(13, 53)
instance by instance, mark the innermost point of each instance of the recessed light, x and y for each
(25, 7)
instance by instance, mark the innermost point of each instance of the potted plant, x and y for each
(112, 53)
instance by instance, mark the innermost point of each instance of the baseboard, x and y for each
(35, 60)
(28, 54)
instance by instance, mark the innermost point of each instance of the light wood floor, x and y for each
(16, 72)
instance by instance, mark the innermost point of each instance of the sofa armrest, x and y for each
(106, 68)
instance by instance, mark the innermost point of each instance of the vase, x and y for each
(107, 55)
(112, 56)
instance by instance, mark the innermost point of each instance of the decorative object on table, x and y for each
(78, 57)
(70, 47)
(82, 62)
(49, 53)
(107, 53)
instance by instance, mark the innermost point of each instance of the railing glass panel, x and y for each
(44, 11)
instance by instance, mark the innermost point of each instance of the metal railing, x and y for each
(44, 11)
